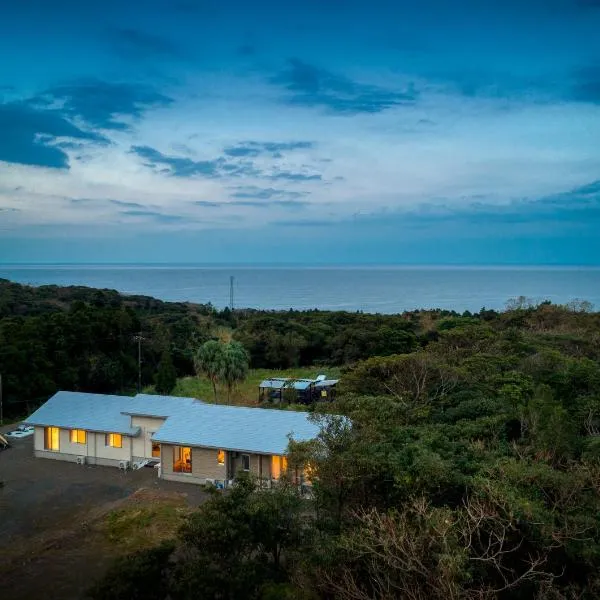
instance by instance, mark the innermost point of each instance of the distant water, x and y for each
(369, 289)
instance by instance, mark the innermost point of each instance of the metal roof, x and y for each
(188, 421)
(278, 383)
(326, 382)
(259, 430)
(275, 383)
(92, 412)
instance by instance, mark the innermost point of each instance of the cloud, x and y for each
(207, 204)
(137, 44)
(292, 204)
(126, 204)
(290, 176)
(27, 135)
(266, 193)
(186, 167)
(274, 149)
(102, 104)
(179, 166)
(312, 86)
(303, 223)
(155, 216)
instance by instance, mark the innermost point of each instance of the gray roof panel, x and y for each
(92, 412)
(188, 421)
(259, 430)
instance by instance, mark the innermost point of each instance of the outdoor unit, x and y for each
(209, 481)
(80, 460)
(124, 465)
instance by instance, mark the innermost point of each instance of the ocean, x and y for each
(362, 288)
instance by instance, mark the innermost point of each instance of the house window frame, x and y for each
(111, 440)
(245, 457)
(279, 465)
(179, 466)
(49, 438)
(220, 456)
(78, 436)
(154, 444)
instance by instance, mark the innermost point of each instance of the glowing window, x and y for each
(279, 465)
(182, 459)
(156, 449)
(51, 438)
(78, 436)
(221, 457)
(115, 440)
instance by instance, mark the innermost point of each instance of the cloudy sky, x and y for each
(321, 131)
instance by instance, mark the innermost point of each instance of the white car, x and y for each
(20, 432)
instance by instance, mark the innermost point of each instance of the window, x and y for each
(221, 457)
(245, 462)
(51, 438)
(182, 459)
(78, 436)
(114, 439)
(156, 449)
(278, 466)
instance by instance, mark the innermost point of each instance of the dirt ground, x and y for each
(54, 539)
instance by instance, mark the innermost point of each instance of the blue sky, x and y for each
(321, 131)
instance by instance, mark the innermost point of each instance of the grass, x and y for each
(246, 394)
(144, 522)
(134, 528)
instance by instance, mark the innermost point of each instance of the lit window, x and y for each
(51, 438)
(182, 459)
(309, 473)
(115, 440)
(221, 457)
(78, 436)
(245, 462)
(278, 466)
(156, 449)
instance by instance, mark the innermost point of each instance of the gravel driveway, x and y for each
(41, 499)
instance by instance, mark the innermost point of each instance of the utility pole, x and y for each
(138, 338)
(231, 293)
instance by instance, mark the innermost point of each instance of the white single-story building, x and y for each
(193, 441)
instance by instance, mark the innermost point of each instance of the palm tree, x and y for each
(209, 361)
(235, 366)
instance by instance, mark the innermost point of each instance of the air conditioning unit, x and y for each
(80, 460)
(209, 481)
(124, 465)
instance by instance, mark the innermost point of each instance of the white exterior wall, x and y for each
(95, 450)
(142, 445)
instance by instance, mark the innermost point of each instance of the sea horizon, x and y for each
(289, 265)
(367, 288)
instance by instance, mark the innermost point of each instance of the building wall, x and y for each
(95, 450)
(204, 465)
(142, 445)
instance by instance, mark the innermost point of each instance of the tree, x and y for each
(234, 366)
(209, 362)
(166, 376)
(140, 576)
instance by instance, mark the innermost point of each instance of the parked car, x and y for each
(20, 432)
(3, 443)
